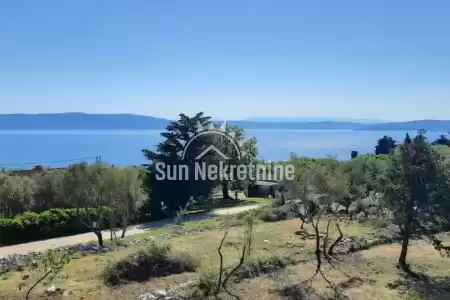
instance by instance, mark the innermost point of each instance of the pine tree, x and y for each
(177, 187)
(385, 145)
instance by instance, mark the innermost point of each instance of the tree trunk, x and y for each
(236, 195)
(99, 235)
(303, 223)
(124, 226)
(225, 192)
(406, 236)
(347, 209)
(156, 210)
(113, 235)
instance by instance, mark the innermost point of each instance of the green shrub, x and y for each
(415, 295)
(262, 265)
(376, 223)
(207, 281)
(52, 223)
(205, 285)
(10, 230)
(155, 261)
(274, 214)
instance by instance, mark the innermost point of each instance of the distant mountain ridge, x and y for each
(83, 121)
(298, 125)
(80, 121)
(314, 119)
(430, 125)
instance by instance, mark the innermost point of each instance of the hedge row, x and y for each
(52, 223)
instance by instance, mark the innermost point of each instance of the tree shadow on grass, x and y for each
(429, 287)
(303, 290)
(298, 291)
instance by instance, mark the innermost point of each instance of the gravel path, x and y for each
(89, 237)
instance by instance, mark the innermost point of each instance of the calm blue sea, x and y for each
(24, 149)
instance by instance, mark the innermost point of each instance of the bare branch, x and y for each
(325, 240)
(225, 281)
(337, 241)
(37, 283)
(219, 250)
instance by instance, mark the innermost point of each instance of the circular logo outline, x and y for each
(212, 147)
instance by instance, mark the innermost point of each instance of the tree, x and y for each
(88, 189)
(333, 184)
(442, 140)
(356, 181)
(16, 194)
(243, 156)
(46, 196)
(354, 154)
(302, 187)
(127, 194)
(417, 191)
(385, 145)
(167, 165)
(49, 266)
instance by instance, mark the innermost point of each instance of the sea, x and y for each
(22, 149)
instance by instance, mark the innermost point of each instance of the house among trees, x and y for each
(264, 188)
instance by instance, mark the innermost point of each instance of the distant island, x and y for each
(83, 121)
(315, 119)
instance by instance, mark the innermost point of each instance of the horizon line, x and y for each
(246, 119)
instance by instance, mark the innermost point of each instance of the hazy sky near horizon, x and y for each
(232, 59)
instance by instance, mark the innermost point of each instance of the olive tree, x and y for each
(126, 193)
(417, 191)
(88, 189)
(16, 194)
(46, 196)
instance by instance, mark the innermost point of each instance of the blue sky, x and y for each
(232, 59)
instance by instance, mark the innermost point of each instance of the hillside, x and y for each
(330, 125)
(80, 121)
(83, 121)
(314, 119)
(429, 125)
(134, 122)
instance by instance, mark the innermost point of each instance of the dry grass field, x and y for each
(368, 274)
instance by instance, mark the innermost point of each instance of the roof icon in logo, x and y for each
(229, 136)
(209, 149)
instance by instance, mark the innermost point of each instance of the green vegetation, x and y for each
(366, 204)
(50, 266)
(154, 261)
(52, 223)
(417, 191)
(86, 198)
(385, 145)
(16, 194)
(171, 154)
(92, 188)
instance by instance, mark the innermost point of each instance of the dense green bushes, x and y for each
(54, 203)
(52, 223)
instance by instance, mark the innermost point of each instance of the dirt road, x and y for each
(132, 230)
